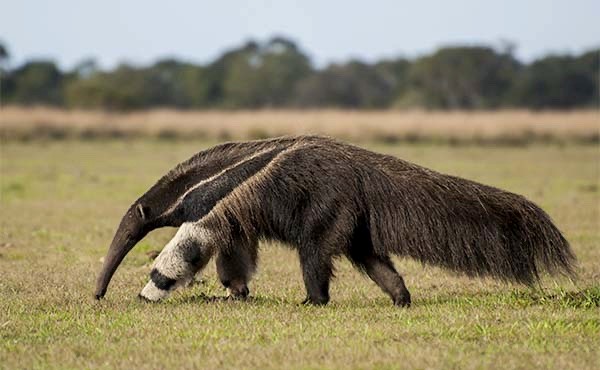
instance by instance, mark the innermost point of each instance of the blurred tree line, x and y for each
(278, 74)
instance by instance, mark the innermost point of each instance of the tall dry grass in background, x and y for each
(506, 126)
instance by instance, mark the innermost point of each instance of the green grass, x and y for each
(61, 202)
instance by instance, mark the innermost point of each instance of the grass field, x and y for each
(62, 200)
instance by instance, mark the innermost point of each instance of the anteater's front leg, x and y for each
(235, 267)
(187, 253)
(317, 270)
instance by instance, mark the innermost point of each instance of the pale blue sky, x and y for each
(142, 31)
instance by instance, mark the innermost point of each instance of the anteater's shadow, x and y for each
(584, 298)
(207, 299)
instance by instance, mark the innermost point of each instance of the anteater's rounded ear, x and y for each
(142, 211)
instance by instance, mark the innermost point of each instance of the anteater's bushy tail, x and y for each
(472, 228)
(534, 245)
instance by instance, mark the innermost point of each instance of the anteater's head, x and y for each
(158, 207)
(133, 227)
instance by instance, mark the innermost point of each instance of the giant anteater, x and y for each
(326, 198)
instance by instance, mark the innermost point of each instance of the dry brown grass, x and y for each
(508, 126)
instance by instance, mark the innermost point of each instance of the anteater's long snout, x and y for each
(119, 248)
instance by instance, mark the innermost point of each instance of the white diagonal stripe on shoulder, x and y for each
(216, 176)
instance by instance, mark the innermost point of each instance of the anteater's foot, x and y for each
(403, 299)
(319, 301)
(238, 293)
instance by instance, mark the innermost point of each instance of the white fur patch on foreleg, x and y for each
(152, 293)
(175, 266)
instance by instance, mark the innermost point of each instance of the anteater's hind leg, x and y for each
(382, 272)
(379, 267)
(235, 267)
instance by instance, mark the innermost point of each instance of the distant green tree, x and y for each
(276, 73)
(396, 74)
(240, 82)
(193, 87)
(7, 84)
(85, 68)
(590, 62)
(37, 82)
(263, 75)
(3, 53)
(351, 85)
(164, 84)
(558, 82)
(213, 78)
(464, 77)
(121, 89)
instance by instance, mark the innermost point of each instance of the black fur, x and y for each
(161, 281)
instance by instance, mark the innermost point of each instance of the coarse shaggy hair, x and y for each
(327, 199)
